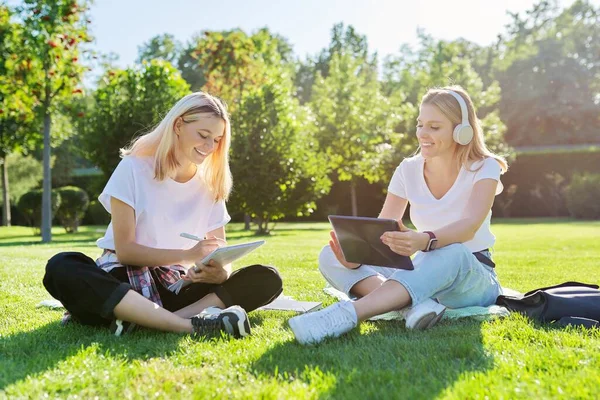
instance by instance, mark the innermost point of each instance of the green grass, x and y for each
(507, 358)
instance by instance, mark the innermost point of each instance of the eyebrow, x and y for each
(431, 122)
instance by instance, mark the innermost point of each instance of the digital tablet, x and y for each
(360, 241)
(228, 254)
(222, 255)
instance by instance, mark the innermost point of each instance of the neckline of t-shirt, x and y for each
(424, 182)
(193, 178)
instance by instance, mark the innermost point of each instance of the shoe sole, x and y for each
(235, 321)
(120, 328)
(428, 320)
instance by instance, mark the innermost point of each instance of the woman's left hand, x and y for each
(211, 273)
(405, 242)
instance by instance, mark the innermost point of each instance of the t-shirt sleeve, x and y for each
(397, 185)
(121, 185)
(490, 170)
(218, 216)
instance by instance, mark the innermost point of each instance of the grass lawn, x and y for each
(507, 358)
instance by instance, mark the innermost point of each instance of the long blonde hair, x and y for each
(476, 150)
(160, 143)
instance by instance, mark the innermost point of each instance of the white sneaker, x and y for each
(333, 321)
(424, 315)
(211, 311)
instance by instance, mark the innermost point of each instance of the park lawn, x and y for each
(503, 358)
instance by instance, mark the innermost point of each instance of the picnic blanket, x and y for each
(479, 313)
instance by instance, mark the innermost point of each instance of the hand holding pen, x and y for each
(203, 248)
(211, 273)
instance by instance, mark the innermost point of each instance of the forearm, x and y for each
(457, 232)
(139, 255)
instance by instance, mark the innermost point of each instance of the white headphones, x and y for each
(463, 133)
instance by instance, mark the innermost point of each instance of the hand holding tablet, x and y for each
(221, 256)
(360, 241)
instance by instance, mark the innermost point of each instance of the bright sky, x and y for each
(120, 26)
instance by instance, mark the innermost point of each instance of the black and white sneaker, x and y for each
(213, 320)
(120, 328)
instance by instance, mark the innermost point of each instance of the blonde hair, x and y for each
(160, 143)
(476, 150)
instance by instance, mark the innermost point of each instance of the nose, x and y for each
(208, 144)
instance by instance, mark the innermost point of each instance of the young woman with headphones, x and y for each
(450, 184)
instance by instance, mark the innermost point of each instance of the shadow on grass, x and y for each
(386, 362)
(32, 353)
(35, 352)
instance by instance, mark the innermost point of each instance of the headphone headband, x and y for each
(463, 107)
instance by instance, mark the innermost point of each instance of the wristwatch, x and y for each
(432, 244)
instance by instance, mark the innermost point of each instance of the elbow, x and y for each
(473, 227)
(124, 253)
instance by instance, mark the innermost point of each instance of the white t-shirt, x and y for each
(428, 213)
(163, 209)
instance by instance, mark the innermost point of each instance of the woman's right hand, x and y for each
(337, 250)
(204, 248)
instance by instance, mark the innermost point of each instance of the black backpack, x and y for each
(570, 303)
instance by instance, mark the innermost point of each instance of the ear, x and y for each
(177, 125)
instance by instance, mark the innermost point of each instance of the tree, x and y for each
(230, 64)
(127, 103)
(24, 174)
(275, 161)
(550, 75)
(160, 47)
(354, 121)
(16, 102)
(343, 40)
(53, 33)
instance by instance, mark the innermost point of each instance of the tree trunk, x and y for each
(5, 194)
(353, 198)
(47, 193)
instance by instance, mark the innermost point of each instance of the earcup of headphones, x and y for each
(463, 134)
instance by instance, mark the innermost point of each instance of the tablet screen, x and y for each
(359, 239)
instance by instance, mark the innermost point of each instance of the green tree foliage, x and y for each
(582, 196)
(550, 75)
(343, 40)
(161, 47)
(24, 174)
(276, 165)
(128, 103)
(54, 31)
(16, 102)
(230, 64)
(355, 122)
(30, 205)
(74, 202)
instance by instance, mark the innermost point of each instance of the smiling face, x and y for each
(198, 139)
(434, 132)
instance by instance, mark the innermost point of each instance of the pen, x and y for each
(190, 236)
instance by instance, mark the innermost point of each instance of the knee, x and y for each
(268, 276)
(58, 267)
(327, 260)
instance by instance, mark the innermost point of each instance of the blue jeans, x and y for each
(451, 274)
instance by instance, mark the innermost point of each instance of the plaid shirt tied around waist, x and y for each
(140, 278)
